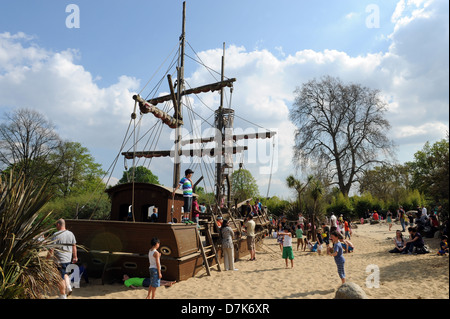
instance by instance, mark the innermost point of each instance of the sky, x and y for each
(80, 62)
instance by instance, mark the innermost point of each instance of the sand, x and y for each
(313, 277)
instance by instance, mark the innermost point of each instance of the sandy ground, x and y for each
(382, 275)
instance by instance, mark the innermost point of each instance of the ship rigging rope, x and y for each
(210, 171)
(111, 168)
(154, 74)
(271, 168)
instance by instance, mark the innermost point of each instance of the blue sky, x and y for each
(83, 78)
(144, 31)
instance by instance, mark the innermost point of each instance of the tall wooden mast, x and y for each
(180, 89)
(224, 124)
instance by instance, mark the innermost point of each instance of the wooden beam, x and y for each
(201, 89)
(197, 152)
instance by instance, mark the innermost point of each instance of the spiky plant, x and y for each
(25, 271)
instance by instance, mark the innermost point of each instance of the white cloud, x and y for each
(54, 84)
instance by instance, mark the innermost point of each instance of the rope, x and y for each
(271, 168)
(154, 74)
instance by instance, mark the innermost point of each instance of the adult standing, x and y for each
(333, 222)
(250, 226)
(227, 246)
(65, 252)
(389, 219)
(401, 216)
(186, 185)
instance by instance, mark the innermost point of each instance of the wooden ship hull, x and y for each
(111, 248)
(114, 248)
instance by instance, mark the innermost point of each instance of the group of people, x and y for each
(425, 224)
(227, 236)
(334, 231)
(251, 209)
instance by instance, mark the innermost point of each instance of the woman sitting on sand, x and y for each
(399, 242)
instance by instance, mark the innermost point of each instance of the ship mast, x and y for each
(224, 124)
(180, 89)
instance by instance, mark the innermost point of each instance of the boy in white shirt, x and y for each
(287, 247)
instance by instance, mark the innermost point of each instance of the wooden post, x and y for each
(177, 164)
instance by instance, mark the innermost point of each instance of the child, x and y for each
(307, 245)
(326, 234)
(280, 239)
(299, 234)
(287, 247)
(347, 229)
(155, 268)
(186, 184)
(319, 241)
(346, 245)
(337, 253)
(443, 246)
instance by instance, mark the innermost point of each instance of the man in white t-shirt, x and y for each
(333, 220)
(65, 253)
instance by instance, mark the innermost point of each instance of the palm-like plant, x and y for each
(298, 186)
(316, 194)
(25, 272)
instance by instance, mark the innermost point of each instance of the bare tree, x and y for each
(27, 139)
(341, 128)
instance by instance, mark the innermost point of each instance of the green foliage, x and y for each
(244, 185)
(141, 175)
(412, 200)
(83, 206)
(25, 272)
(275, 205)
(77, 171)
(340, 204)
(430, 175)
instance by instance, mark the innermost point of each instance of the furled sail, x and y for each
(196, 152)
(235, 138)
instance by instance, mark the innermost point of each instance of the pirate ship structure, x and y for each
(120, 244)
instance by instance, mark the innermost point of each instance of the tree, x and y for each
(141, 175)
(244, 185)
(430, 173)
(388, 182)
(78, 173)
(315, 193)
(27, 139)
(298, 186)
(341, 127)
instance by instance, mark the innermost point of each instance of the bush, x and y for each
(86, 206)
(25, 272)
(340, 205)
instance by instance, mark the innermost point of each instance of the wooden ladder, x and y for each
(207, 249)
